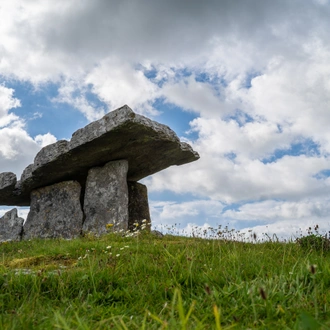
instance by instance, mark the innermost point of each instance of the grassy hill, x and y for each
(173, 282)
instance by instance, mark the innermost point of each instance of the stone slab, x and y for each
(8, 181)
(106, 198)
(11, 226)
(138, 206)
(148, 146)
(55, 212)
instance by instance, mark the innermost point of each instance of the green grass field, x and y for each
(173, 282)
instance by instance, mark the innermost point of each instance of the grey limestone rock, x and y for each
(157, 233)
(8, 182)
(11, 226)
(106, 198)
(148, 146)
(55, 212)
(138, 206)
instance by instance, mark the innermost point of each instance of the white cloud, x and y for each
(117, 83)
(74, 94)
(44, 140)
(223, 179)
(178, 216)
(17, 148)
(194, 96)
(271, 210)
(268, 87)
(7, 102)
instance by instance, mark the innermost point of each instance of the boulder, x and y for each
(157, 233)
(55, 212)
(11, 226)
(8, 182)
(138, 206)
(106, 198)
(148, 146)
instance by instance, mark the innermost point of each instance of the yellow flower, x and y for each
(109, 225)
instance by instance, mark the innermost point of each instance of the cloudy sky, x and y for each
(247, 83)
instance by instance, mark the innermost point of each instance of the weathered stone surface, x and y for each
(157, 233)
(106, 198)
(148, 147)
(11, 226)
(55, 212)
(138, 206)
(8, 182)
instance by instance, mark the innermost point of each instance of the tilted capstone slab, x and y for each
(106, 198)
(11, 226)
(148, 146)
(138, 207)
(55, 212)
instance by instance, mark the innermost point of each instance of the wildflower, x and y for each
(144, 220)
(109, 225)
(79, 258)
(126, 246)
(121, 248)
(108, 247)
(117, 255)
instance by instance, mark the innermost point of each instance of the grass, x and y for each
(174, 282)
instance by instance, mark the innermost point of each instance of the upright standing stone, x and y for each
(11, 226)
(138, 206)
(106, 198)
(55, 212)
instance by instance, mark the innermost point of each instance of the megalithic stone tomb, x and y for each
(79, 186)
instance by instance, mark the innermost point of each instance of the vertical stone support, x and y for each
(11, 226)
(138, 206)
(106, 198)
(55, 212)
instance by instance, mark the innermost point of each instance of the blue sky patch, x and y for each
(42, 115)
(174, 117)
(305, 147)
(249, 77)
(322, 174)
(240, 117)
(230, 156)
(166, 195)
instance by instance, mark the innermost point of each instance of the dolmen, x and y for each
(90, 183)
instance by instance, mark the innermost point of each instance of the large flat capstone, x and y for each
(148, 146)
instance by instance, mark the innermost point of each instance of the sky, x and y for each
(246, 83)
